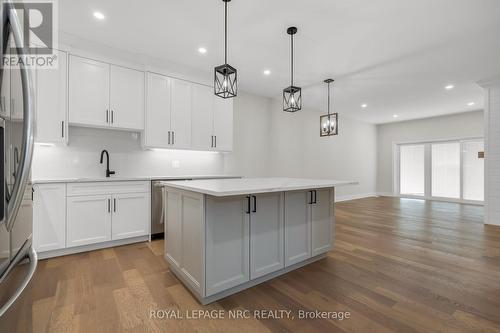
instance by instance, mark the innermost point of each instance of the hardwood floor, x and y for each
(399, 265)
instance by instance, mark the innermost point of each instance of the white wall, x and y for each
(297, 150)
(81, 157)
(456, 126)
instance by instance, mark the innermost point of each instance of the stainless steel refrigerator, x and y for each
(17, 258)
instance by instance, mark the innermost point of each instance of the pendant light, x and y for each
(225, 82)
(329, 122)
(292, 95)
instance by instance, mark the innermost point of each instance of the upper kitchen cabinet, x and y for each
(88, 92)
(127, 98)
(103, 95)
(51, 101)
(212, 120)
(157, 131)
(168, 113)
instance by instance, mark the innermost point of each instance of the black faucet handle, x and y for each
(110, 173)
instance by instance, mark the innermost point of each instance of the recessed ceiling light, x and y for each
(395, 116)
(99, 15)
(471, 104)
(267, 72)
(449, 87)
(202, 50)
(364, 106)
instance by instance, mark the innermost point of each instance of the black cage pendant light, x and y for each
(329, 123)
(225, 81)
(292, 95)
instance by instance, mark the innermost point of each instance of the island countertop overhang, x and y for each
(244, 186)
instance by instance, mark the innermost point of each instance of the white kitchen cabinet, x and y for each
(180, 114)
(297, 227)
(266, 234)
(130, 215)
(321, 221)
(202, 119)
(173, 227)
(88, 220)
(104, 95)
(157, 126)
(223, 124)
(49, 217)
(88, 92)
(51, 102)
(212, 120)
(127, 98)
(227, 243)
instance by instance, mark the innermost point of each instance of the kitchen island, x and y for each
(226, 235)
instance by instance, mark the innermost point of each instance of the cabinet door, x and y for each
(202, 118)
(227, 243)
(131, 215)
(88, 92)
(89, 220)
(322, 220)
(223, 124)
(157, 125)
(297, 227)
(49, 217)
(180, 114)
(127, 98)
(51, 100)
(173, 228)
(266, 234)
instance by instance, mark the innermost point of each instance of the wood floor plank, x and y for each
(398, 265)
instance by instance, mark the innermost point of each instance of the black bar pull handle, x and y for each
(254, 204)
(114, 205)
(315, 197)
(310, 197)
(248, 205)
(109, 205)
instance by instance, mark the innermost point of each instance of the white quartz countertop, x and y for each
(124, 179)
(228, 187)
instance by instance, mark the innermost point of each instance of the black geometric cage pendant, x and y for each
(225, 76)
(292, 95)
(329, 123)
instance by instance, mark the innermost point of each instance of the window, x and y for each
(412, 170)
(446, 169)
(473, 170)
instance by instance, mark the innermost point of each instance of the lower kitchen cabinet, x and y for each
(89, 220)
(227, 243)
(130, 217)
(297, 227)
(68, 217)
(321, 221)
(266, 234)
(49, 219)
(308, 226)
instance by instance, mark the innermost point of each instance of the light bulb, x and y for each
(224, 83)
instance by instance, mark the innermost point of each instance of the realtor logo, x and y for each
(38, 39)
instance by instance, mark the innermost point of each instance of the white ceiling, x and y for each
(394, 55)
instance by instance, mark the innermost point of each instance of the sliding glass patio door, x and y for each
(449, 170)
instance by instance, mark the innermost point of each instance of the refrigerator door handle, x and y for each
(27, 252)
(23, 170)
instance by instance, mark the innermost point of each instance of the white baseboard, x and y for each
(354, 197)
(467, 202)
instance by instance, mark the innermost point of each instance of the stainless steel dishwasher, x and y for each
(157, 213)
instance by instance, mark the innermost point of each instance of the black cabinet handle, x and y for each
(315, 197)
(114, 205)
(254, 204)
(112, 116)
(216, 141)
(62, 129)
(248, 205)
(310, 197)
(107, 116)
(168, 137)
(173, 137)
(109, 205)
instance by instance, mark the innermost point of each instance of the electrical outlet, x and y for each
(176, 164)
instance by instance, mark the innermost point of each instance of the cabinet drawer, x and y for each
(97, 188)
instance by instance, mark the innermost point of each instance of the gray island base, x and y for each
(226, 235)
